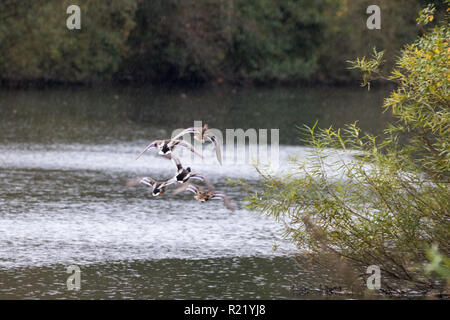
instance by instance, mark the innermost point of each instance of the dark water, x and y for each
(214, 278)
(128, 114)
(65, 155)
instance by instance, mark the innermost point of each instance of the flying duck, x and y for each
(166, 146)
(184, 174)
(200, 134)
(158, 187)
(205, 195)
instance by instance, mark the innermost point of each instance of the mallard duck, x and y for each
(158, 187)
(184, 174)
(205, 195)
(200, 134)
(166, 146)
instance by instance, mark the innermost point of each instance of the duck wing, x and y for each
(185, 131)
(168, 182)
(187, 145)
(133, 182)
(148, 181)
(217, 147)
(177, 162)
(205, 128)
(203, 179)
(145, 180)
(225, 200)
(154, 144)
(186, 187)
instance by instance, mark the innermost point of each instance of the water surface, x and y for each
(65, 155)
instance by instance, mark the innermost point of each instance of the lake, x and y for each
(66, 154)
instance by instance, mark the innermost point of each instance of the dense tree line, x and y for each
(196, 40)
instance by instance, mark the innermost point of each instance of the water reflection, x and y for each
(123, 114)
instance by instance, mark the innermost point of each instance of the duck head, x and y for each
(157, 191)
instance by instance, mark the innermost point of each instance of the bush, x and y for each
(391, 202)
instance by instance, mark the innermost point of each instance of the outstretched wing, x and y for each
(133, 182)
(203, 179)
(205, 128)
(176, 162)
(225, 200)
(150, 146)
(169, 182)
(182, 133)
(188, 146)
(186, 187)
(148, 181)
(217, 147)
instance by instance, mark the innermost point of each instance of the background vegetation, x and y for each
(196, 41)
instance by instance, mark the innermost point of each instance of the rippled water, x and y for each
(68, 206)
(212, 278)
(65, 156)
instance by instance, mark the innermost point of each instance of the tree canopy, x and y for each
(201, 40)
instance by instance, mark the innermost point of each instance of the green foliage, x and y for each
(233, 39)
(370, 68)
(346, 34)
(377, 201)
(426, 15)
(276, 40)
(197, 40)
(421, 101)
(35, 43)
(180, 40)
(438, 264)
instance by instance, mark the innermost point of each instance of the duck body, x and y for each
(158, 187)
(205, 195)
(184, 174)
(201, 134)
(166, 149)
(167, 146)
